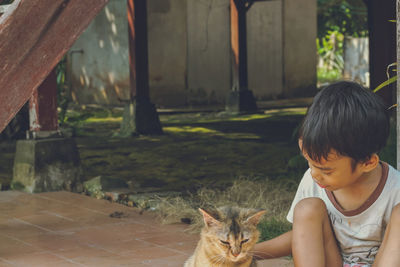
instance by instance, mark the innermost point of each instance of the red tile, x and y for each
(66, 229)
(32, 259)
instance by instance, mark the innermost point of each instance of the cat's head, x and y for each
(231, 232)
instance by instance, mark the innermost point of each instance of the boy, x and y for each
(346, 211)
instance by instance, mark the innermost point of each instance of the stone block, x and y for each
(46, 165)
(99, 185)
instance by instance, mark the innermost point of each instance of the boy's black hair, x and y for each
(348, 118)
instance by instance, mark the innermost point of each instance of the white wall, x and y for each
(209, 54)
(265, 51)
(299, 47)
(190, 54)
(101, 73)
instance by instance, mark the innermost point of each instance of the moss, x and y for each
(17, 186)
(197, 149)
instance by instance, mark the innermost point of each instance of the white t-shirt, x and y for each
(359, 232)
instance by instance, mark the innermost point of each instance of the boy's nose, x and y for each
(315, 174)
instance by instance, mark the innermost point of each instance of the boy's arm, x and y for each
(277, 247)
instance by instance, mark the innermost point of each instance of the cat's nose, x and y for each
(235, 254)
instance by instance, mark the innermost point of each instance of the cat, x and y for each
(227, 238)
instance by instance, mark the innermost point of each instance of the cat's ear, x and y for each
(255, 218)
(208, 219)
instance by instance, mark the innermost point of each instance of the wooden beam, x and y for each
(239, 44)
(34, 38)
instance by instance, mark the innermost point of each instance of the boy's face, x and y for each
(335, 172)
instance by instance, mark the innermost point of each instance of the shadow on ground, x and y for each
(197, 149)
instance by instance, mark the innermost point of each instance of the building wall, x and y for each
(209, 54)
(190, 54)
(299, 47)
(264, 49)
(99, 59)
(167, 35)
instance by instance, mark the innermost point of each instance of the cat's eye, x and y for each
(244, 241)
(224, 242)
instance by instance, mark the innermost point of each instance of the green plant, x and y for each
(63, 96)
(346, 16)
(336, 19)
(330, 50)
(390, 80)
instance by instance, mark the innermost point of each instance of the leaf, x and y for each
(388, 68)
(385, 83)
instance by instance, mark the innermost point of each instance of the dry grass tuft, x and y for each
(274, 196)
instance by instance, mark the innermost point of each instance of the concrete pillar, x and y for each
(240, 99)
(140, 115)
(46, 161)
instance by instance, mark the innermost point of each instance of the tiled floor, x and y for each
(65, 229)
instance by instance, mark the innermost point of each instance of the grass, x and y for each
(273, 196)
(197, 149)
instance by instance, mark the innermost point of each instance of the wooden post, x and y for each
(239, 45)
(140, 115)
(43, 118)
(138, 49)
(240, 99)
(382, 44)
(398, 84)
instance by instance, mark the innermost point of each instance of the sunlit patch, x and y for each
(114, 28)
(189, 129)
(109, 15)
(115, 45)
(103, 120)
(287, 111)
(111, 77)
(251, 117)
(207, 131)
(73, 95)
(101, 43)
(117, 90)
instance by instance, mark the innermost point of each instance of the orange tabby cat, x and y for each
(227, 238)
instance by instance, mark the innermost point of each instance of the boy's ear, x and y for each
(371, 163)
(300, 143)
(208, 219)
